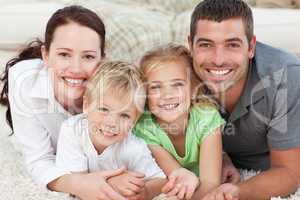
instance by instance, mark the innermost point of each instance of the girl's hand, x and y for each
(225, 191)
(93, 186)
(128, 183)
(182, 183)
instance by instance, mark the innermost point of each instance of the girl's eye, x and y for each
(125, 116)
(89, 57)
(103, 109)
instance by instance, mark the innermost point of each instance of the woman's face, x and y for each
(73, 56)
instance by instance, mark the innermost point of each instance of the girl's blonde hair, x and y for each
(122, 78)
(173, 52)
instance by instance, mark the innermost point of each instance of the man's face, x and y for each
(221, 53)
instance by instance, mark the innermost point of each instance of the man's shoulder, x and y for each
(269, 59)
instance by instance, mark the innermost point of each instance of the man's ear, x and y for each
(45, 55)
(190, 42)
(252, 46)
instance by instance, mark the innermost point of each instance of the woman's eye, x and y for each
(63, 54)
(103, 109)
(125, 116)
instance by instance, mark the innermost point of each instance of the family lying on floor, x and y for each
(178, 123)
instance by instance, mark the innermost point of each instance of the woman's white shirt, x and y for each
(36, 117)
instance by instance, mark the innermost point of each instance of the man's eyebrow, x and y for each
(203, 40)
(236, 39)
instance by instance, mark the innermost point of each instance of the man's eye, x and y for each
(204, 45)
(125, 116)
(234, 45)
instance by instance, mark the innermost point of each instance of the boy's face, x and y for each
(110, 119)
(169, 91)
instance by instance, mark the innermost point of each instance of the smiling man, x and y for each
(258, 89)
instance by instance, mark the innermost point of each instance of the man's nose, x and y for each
(218, 56)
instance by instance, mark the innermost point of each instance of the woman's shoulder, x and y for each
(26, 66)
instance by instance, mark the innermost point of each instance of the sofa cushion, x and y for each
(278, 3)
(21, 22)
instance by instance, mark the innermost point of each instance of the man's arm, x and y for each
(281, 179)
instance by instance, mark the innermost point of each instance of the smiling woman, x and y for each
(44, 85)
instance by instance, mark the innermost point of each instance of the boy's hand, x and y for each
(182, 183)
(142, 195)
(225, 191)
(128, 183)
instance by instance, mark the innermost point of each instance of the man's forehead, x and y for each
(229, 28)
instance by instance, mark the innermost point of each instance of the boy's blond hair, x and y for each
(170, 53)
(122, 78)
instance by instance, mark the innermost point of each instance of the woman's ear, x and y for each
(45, 55)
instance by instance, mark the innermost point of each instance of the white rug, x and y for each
(15, 183)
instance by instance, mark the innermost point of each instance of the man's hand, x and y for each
(225, 191)
(229, 173)
(182, 183)
(128, 184)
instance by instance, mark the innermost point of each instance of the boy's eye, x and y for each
(103, 109)
(154, 87)
(178, 84)
(125, 116)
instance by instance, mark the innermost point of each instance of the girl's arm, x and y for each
(210, 164)
(164, 159)
(181, 182)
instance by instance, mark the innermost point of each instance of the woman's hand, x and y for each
(182, 183)
(128, 183)
(93, 186)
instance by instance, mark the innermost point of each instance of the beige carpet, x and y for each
(15, 184)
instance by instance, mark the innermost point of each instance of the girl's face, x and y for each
(110, 119)
(73, 56)
(169, 91)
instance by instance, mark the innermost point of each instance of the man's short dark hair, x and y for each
(219, 10)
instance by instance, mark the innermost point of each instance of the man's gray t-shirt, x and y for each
(267, 115)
